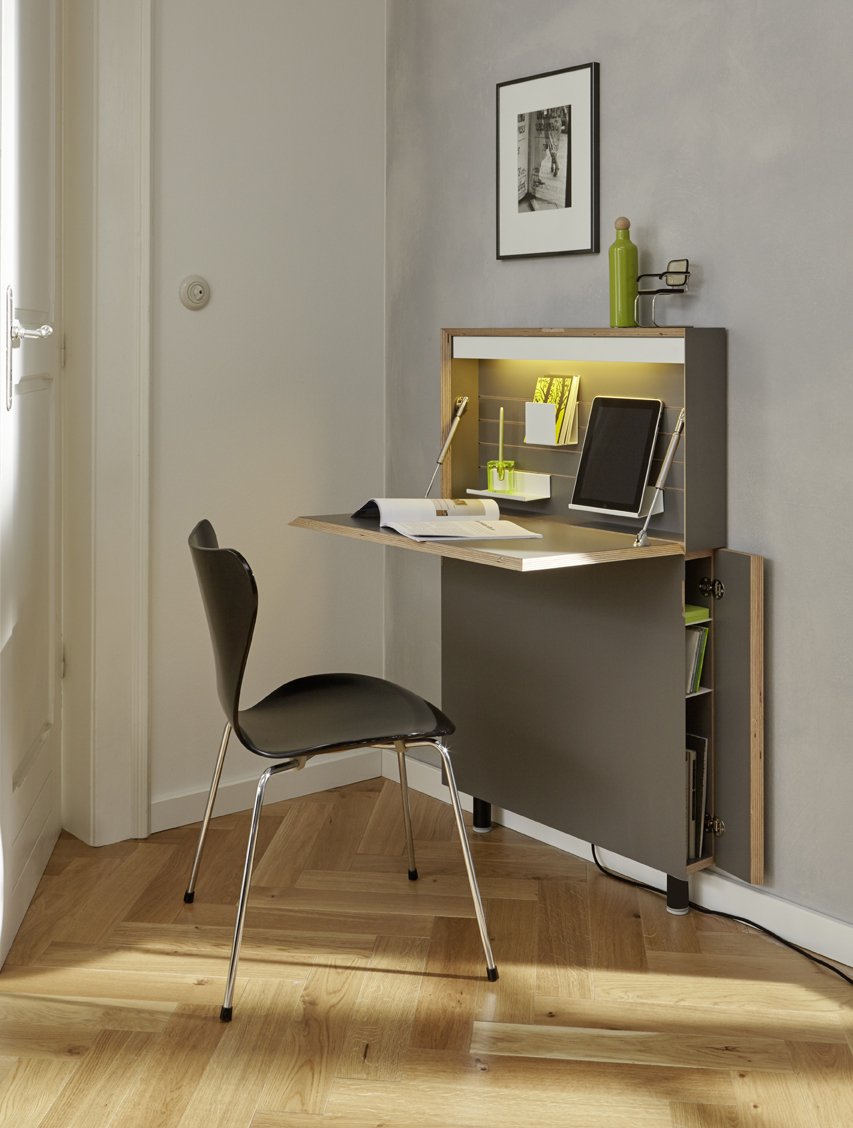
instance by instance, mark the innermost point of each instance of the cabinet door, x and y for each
(739, 714)
(567, 690)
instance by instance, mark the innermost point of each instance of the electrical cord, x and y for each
(727, 916)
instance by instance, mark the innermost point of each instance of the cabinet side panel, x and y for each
(567, 689)
(739, 713)
(460, 465)
(705, 447)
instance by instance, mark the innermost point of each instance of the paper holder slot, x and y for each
(540, 425)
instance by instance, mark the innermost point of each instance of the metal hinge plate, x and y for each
(715, 588)
(715, 825)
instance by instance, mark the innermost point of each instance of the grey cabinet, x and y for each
(568, 685)
(563, 658)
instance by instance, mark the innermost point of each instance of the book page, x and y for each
(457, 529)
(392, 509)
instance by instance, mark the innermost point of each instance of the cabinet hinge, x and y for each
(714, 825)
(714, 588)
(62, 352)
(62, 662)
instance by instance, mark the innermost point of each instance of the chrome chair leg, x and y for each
(407, 815)
(491, 969)
(225, 1012)
(189, 896)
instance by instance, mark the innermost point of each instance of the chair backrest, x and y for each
(230, 597)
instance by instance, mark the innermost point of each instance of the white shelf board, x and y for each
(511, 496)
(531, 486)
(648, 350)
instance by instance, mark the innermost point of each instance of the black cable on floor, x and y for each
(728, 916)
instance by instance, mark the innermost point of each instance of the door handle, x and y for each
(15, 333)
(18, 333)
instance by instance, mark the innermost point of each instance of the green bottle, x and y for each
(623, 276)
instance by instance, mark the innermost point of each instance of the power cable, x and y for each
(728, 916)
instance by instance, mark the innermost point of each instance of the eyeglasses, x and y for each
(675, 279)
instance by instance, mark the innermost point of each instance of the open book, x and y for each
(427, 518)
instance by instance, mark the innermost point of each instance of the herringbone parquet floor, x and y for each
(361, 1000)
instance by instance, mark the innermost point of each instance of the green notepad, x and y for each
(695, 614)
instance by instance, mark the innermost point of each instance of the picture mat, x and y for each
(562, 229)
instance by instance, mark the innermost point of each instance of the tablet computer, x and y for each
(617, 455)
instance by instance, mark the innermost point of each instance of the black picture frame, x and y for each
(547, 164)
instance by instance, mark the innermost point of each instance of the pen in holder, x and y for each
(500, 476)
(500, 473)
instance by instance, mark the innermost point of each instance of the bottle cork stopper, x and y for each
(622, 224)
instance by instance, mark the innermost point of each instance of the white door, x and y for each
(29, 528)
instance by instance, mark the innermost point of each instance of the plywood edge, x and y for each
(756, 675)
(523, 559)
(549, 331)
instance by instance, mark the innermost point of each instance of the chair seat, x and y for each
(326, 712)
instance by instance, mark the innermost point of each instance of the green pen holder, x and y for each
(500, 476)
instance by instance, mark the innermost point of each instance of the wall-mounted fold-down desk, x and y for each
(563, 658)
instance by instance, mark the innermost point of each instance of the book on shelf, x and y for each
(696, 643)
(428, 519)
(697, 790)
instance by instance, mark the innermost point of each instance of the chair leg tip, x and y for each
(491, 974)
(225, 1014)
(413, 875)
(189, 898)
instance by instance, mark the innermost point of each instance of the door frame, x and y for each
(105, 283)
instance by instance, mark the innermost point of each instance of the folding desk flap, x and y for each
(738, 713)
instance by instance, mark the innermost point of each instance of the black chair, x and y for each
(303, 718)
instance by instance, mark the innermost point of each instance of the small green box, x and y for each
(693, 613)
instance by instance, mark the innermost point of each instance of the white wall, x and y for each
(105, 165)
(268, 180)
(726, 136)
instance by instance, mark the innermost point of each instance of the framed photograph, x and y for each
(547, 164)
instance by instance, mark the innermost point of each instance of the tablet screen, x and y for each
(617, 455)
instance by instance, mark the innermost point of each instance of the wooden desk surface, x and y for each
(562, 545)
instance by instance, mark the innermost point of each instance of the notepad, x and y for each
(694, 613)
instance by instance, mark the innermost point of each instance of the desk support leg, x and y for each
(677, 896)
(482, 816)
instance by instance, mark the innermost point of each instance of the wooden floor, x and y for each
(362, 1001)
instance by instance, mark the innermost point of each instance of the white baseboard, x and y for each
(822, 934)
(319, 774)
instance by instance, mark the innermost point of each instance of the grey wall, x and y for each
(726, 136)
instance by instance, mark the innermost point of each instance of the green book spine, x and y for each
(700, 659)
